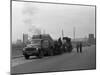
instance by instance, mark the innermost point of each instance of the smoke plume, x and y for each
(29, 10)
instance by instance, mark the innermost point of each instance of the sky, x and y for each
(37, 18)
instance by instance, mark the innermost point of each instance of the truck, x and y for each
(67, 45)
(41, 45)
(63, 45)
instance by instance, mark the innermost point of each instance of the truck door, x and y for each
(45, 44)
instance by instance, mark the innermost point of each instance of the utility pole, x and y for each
(23, 40)
(62, 34)
(74, 30)
(43, 31)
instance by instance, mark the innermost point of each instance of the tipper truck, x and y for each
(40, 46)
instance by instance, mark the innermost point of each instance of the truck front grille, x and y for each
(30, 49)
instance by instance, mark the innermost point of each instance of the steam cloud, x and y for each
(29, 10)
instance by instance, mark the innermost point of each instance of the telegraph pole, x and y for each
(23, 40)
(43, 31)
(74, 30)
(62, 34)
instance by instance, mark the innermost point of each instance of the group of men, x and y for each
(79, 47)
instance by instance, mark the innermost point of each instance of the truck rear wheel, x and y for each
(51, 53)
(40, 55)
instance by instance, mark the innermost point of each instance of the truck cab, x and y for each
(32, 49)
(38, 47)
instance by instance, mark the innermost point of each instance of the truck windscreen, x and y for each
(37, 41)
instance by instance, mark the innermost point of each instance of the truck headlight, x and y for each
(23, 49)
(37, 48)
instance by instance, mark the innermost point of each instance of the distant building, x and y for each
(19, 42)
(25, 38)
(91, 39)
(91, 36)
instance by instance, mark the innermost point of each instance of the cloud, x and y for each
(29, 9)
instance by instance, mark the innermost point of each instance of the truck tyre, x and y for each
(51, 53)
(40, 54)
(70, 50)
(61, 51)
(26, 56)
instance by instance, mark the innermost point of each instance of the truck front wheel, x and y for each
(26, 56)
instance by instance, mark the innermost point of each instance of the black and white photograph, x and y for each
(52, 37)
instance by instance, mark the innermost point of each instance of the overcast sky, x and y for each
(29, 17)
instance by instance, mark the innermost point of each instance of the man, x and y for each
(77, 46)
(80, 47)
